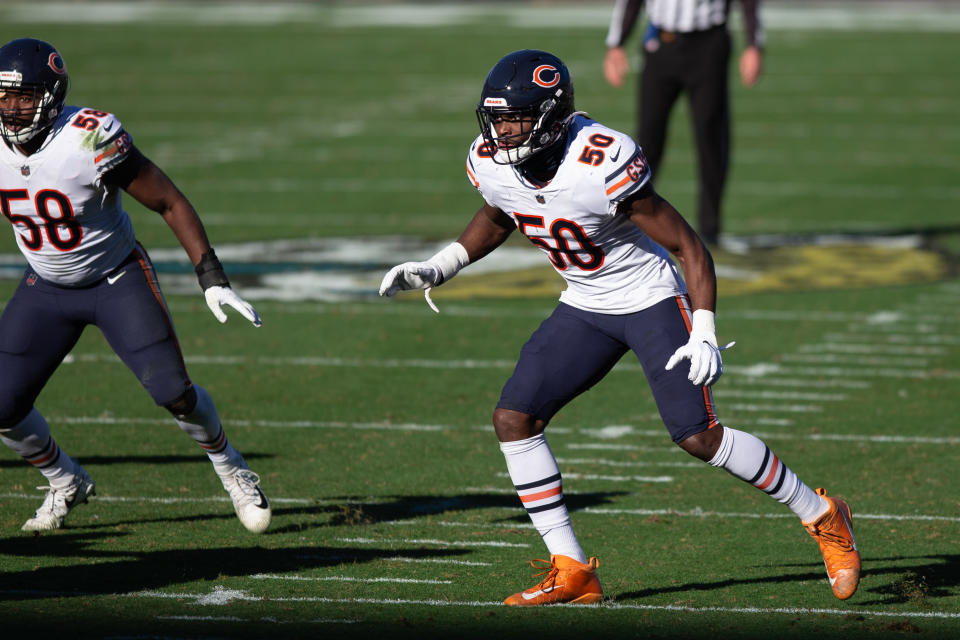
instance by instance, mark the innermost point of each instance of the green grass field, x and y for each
(320, 147)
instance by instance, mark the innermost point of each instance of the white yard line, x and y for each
(781, 395)
(433, 541)
(296, 578)
(760, 369)
(224, 597)
(271, 620)
(872, 348)
(621, 430)
(628, 464)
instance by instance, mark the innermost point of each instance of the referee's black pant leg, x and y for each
(709, 95)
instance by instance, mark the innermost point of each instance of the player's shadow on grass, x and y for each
(130, 571)
(92, 461)
(349, 511)
(937, 578)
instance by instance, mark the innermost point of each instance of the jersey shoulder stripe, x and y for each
(629, 176)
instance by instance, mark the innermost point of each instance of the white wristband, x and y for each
(703, 322)
(450, 260)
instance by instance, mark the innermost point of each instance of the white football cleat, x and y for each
(59, 502)
(249, 502)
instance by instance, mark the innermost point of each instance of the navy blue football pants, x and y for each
(42, 322)
(573, 349)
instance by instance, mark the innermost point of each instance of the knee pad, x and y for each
(184, 405)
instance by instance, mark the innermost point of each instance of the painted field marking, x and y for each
(623, 447)
(621, 463)
(271, 620)
(856, 360)
(760, 369)
(200, 598)
(347, 556)
(153, 500)
(771, 408)
(701, 513)
(846, 347)
(466, 563)
(781, 395)
(620, 431)
(608, 478)
(273, 576)
(433, 541)
(896, 338)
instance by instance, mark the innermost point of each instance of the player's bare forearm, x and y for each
(665, 226)
(154, 190)
(489, 228)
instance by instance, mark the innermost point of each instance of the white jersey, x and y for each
(609, 264)
(70, 226)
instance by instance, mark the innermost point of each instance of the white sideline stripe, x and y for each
(771, 408)
(346, 556)
(488, 525)
(621, 463)
(440, 543)
(895, 338)
(627, 430)
(271, 620)
(766, 422)
(739, 378)
(782, 395)
(857, 360)
(700, 513)
(151, 500)
(273, 576)
(696, 512)
(860, 320)
(623, 447)
(287, 424)
(479, 603)
(418, 363)
(591, 476)
(844, 347)
(785, 610)
(467, 563)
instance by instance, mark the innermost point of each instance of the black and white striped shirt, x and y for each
(683, 16)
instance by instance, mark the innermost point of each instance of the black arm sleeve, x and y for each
(125, 172)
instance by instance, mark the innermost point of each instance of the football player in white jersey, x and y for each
(581, 192)
(61, 172)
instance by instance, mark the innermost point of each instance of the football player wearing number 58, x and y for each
(62, 169)
(581, 192)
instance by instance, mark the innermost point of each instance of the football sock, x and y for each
(203, 425)
(31, 440)
(536, 476)
(748, 458)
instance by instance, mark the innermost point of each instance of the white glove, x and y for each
(425, 275)
(410, 275)
(217, 296)
(701, 349)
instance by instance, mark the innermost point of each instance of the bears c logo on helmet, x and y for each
(546, 76)
(55, 62)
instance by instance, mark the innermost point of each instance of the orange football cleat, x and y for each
(566, 581)
(833, 531)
